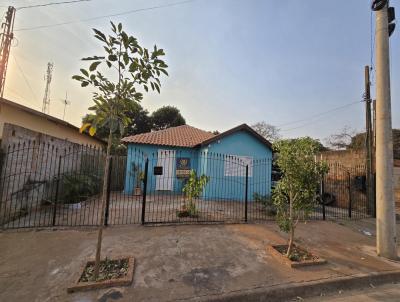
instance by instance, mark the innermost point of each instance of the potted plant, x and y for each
(77, 188)
(138, 176)
(139, 180)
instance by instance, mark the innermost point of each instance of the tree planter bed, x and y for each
(113, 272)
(304, 257)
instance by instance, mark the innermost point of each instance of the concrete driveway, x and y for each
(177, 262)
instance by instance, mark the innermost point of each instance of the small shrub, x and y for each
(78, 187)
(266, 202)
(193, 189)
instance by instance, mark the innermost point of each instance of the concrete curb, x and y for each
(285, 292)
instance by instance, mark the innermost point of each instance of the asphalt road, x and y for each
(384, 293)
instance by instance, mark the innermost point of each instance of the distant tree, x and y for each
(341, 140)
(216, 132)
(294, 194)
(116, 76)
(142, 122)
(358, 142)
(269, 132)
(166, 117)
(139, 122)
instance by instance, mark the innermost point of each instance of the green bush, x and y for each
(192, 189)
(79, 187)
(266, 202)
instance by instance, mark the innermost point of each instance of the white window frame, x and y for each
(234, 169)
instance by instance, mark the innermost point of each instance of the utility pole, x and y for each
(6, 39)
(46, 97)
(368, 144)
(385, 214)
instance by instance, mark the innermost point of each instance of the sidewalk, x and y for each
(180, 262)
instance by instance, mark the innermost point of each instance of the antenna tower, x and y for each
(6, 38)
(46, 98)
(66, 103)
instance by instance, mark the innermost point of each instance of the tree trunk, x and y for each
(103, 207)
(291, 239)
(291, 228)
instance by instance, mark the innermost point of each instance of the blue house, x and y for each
(236, 161)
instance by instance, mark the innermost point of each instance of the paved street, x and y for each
(384, 293)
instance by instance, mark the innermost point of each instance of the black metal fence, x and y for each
(344, 192)
(42, 185)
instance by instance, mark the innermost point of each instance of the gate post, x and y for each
(146, 171)
(57, 189)
(107, 211)
(374, 193)
(322, 198)
(246, 193)
(349, 191)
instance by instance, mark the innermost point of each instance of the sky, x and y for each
(230, 61)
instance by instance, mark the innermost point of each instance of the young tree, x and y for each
(166, 117)
(295, 194)
(268, 131)
(126, 67)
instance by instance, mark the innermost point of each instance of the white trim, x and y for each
(166, 159)
(235, 165)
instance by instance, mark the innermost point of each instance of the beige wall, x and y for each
(351, 158)
(16, 116)
(347, 158)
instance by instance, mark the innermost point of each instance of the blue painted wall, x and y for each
(240, 143)
(137, 154)
(210, 160)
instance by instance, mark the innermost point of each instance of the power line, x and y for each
(51, 3)
(318, 114)
(25, 78)
(105, 16)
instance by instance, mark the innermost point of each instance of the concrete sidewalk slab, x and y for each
(179, 262)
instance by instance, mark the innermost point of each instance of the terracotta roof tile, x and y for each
(181, 136)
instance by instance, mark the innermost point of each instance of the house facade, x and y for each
(19, 123)
(225, 158)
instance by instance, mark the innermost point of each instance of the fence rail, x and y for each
(44, 186)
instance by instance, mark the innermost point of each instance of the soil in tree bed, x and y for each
(299, 257)
(298, 254)
(109, 270)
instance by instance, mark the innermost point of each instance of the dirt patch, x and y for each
(109, 269)
(300, 257)
(298, 254)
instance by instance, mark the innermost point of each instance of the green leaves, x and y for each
(94, 65)
(113, 57)
(84, 71)
(294, 195)
(195, 185)
(78, 78)
(93, 58)
(128, 68)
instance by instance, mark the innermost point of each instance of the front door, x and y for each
(166, 159)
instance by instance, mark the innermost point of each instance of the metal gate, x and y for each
(42, 185)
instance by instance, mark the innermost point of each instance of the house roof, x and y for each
(181, 136)
(45, 116)
(242, 127)
(188, 136)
